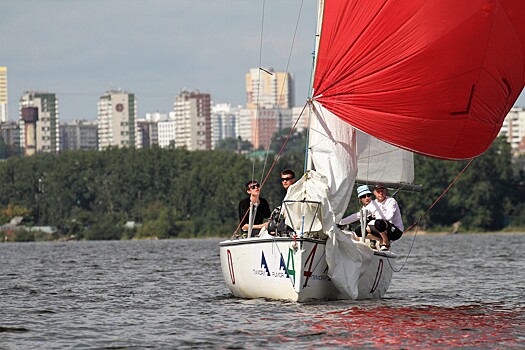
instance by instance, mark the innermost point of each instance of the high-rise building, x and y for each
(267, 123)
(192, 117)
(4, 112)
(244, 124)
(148, 129)
(79, 134)
(166, 132)
(270, 99)
(266, 88)
(39, 122)
(116, 120)
(224, 119)
(300, 116)
(513, 129)
(259, 126)
(147, 134)
(10, 135)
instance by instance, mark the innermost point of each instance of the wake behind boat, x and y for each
(390, 77)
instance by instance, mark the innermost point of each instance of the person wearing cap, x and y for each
(261, 209)
(388, 224)
(365, 197)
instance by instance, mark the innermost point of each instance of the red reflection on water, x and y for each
(477, 325)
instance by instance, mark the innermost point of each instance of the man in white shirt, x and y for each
(388, 223)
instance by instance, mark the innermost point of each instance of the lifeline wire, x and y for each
(426, 212)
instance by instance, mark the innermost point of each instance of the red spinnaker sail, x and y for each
(436, 77)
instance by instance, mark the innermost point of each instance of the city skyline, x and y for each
(80, 50)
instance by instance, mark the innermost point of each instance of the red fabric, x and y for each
(436, 77)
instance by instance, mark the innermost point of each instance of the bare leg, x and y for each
(374, 237)
(384, 237)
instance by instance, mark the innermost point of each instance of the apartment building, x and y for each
(266, 88)
(79, 135)
(39, 122)
(192, 120)
(4, 111)
(116, 119)
(224, 120)
(513, 129)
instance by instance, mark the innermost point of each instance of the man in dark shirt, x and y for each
(277, 221)
(287, 178)
(261, 209)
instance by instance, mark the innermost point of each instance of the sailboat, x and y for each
(391, 78)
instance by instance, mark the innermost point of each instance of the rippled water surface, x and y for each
(453, 291)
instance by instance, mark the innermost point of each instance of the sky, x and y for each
(79, 49)
(82, 48)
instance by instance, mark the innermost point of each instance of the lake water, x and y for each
(454, 291)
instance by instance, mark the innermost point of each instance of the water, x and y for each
(454, 291)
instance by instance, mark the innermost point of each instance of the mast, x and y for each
(308, 161)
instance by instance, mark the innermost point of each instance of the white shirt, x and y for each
(354, 217)
(388, 210)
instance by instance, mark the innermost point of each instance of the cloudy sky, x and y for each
(79, 49)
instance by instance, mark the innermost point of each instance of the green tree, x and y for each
(159, 221)
(479, 199)
(234, 145)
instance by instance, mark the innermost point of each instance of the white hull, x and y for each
(285, 268)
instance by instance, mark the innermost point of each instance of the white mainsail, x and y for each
(378, 161)
(333, 149)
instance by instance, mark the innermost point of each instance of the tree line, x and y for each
(172, 193)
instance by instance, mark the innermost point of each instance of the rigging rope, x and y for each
(426, 212)
(258, 85)
(285, 80)
(282, 147)
(273, 164)
(264, 178)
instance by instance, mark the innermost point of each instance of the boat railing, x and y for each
(302, 217)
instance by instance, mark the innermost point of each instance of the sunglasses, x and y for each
(365, 195)
(253, 187)
(286, 178)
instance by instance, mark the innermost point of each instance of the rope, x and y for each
(234, 234)
(265, 178)
(282, 147)
(425, 213)
(259, 81)
(279, 100)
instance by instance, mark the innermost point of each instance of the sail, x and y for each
(332, 147)
(333, 150)
(433, 77)
(378, 161)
